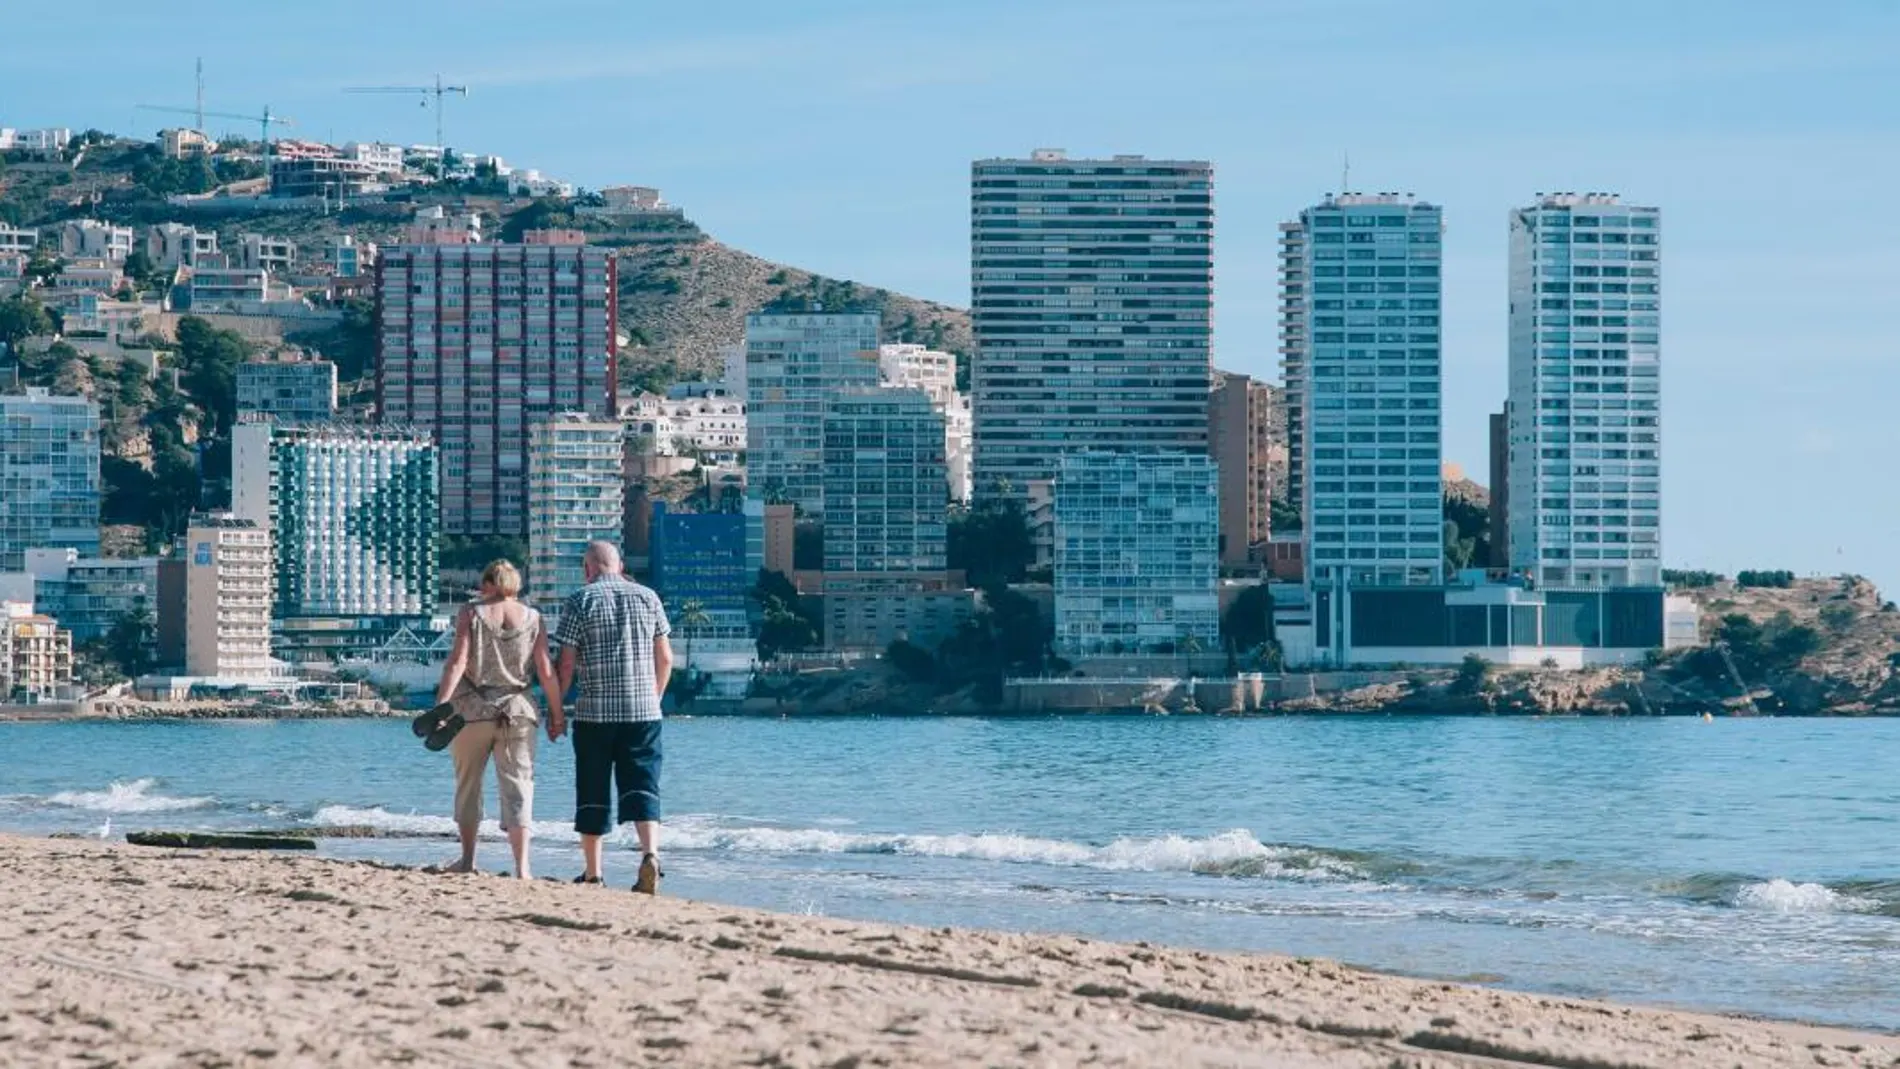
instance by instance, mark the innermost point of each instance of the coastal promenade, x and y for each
(131, 956)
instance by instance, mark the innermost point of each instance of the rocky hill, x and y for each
(684, 295)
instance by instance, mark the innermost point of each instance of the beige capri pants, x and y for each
(511, 741)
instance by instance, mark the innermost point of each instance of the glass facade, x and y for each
(1363, 348)
(884, 480)
(700, 556)
(49, 475)
(1091, 301)
(290, 391)
(1585, 415)
(1137, 554)
(795, 363)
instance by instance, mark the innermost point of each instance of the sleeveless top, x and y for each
(500, 670)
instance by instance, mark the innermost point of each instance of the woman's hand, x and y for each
(557, 724)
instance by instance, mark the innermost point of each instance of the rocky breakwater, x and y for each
(238, 709)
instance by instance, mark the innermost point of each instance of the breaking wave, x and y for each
(1236, 853)
(133, 797)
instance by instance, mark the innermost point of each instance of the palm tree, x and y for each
(692, 616)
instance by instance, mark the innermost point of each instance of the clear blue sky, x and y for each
(837, 135)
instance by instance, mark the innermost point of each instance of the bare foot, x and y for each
(456, 867)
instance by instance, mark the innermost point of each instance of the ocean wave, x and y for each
(1786, 896)
(132, 797)
(1236, 853)
(1781, 895)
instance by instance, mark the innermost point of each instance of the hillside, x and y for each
(684, 295)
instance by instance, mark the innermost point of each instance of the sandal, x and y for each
(445, 730)
(648, 882)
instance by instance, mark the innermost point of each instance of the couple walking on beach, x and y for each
(612, 635)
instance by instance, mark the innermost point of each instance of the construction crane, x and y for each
(438, 90)
(264, 122)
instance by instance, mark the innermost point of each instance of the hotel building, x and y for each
(228, 599)
(352, 514)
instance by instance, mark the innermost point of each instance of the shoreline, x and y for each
(130, 953)
(29, 715)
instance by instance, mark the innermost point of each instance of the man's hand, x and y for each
(557, 726)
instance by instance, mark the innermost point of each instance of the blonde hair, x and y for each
(503, 577)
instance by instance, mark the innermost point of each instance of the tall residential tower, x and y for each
(1363, 358)
(479, 343)
(1585, 403)
(1092, 292)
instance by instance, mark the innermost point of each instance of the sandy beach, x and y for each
(128, 956)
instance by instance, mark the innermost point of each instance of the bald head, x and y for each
(603, 558)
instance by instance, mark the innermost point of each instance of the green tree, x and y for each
(911, 659)
(786, 624)
(21, 318)
(210, 358)
(691, 617)
(131, 641)
(1283, 516)
(1248, 624)
(1467, 534)
(991, 543)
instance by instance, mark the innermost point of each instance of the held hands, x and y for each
(557, 725)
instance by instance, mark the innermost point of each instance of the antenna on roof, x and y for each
(1345, 172)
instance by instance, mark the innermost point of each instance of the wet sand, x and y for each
(123, 955)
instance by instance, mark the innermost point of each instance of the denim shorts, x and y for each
(612, 761)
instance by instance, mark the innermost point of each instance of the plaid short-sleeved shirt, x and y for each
(611, 623)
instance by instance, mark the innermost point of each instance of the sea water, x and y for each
(1742, 865)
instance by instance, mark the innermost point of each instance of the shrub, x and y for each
(1779, 580)
(1690, 580)
(913, 660)
(1472, 672)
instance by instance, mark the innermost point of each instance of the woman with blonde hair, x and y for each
(500, 651)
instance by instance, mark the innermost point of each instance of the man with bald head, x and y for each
(613, 633)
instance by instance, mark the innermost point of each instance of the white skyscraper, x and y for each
(575, 495)
(1092, 296)
(1585, 433)
(1361, 318)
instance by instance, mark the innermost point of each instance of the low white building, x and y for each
(22, 239)
(49, 141)
(712, 421)
(263, 252)
(381, 158)
(438, 226)
(92, 239)
(170, 245)
(180, 142)
(532, 183)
